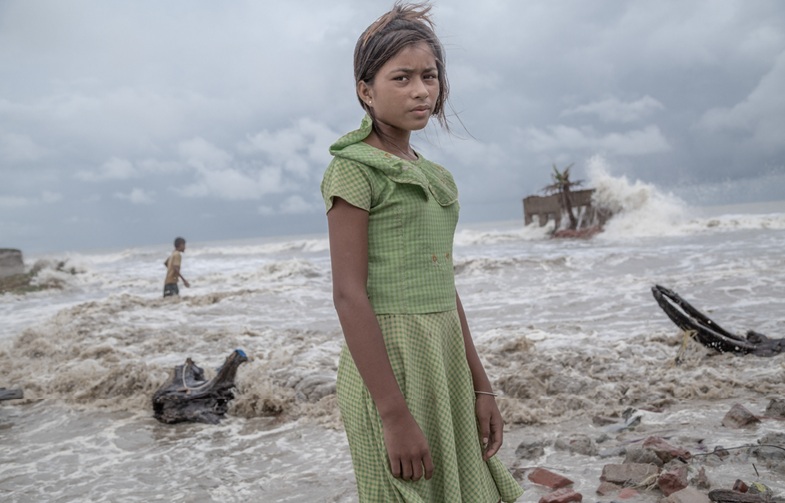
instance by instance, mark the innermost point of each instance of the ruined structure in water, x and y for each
(188, 396)
(547, 208)
(11, 262)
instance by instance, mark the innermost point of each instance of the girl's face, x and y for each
(403, 93)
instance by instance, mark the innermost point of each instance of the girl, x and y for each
(418, 408)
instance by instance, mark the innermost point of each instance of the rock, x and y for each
(738, 417)
(729, 496)
(314, 387)
(759, 488)
(673, 481)
(629, 474)
(775, 409)
(613, 452)
(530, 449)
(579, 444)
(740, 486)
(564, 495)
(769, 451)
(11, 262)
(605, 488)
(773, 439)
(687, 495)
(700, 480)
(547, 478)
(627, 493)
(664, 450)
(642, 456)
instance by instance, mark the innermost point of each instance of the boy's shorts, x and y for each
(171, 289)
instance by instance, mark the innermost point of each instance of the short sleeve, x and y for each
(348, 180)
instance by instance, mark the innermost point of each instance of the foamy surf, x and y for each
(567, 329)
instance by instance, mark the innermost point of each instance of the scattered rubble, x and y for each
(658, 469)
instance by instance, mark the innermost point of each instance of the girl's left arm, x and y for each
(488, 416)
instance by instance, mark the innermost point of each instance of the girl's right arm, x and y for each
(407, 447)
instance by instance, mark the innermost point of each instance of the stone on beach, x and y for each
(731, 496)
(687, 495)
(547, 478)
(665, 451)
(673, 480)
(563, 495)
(605, 488)
(530, 449)
(643, 456)
(739, 417)
(579, 444)
(775, 409)
(629, 474)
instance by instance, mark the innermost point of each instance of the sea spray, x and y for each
(638, 208)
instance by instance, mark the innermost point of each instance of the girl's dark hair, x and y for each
(404, 25)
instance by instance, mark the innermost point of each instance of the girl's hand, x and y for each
(407, 447)
(490, 424)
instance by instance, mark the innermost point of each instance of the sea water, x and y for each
(567, 329)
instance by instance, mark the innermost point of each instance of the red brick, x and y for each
(563, 495)
(673, 480)
(740, 486)
(664, 450)
(547, 478)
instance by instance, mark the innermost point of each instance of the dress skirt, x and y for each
(428, 358)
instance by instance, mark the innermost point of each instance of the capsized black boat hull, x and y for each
(708, 333)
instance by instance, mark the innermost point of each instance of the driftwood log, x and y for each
(188, 396)
(708, 333)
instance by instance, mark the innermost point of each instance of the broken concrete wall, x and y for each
(547, 208)
(11, 262)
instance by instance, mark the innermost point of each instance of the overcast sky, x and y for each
(127, 123)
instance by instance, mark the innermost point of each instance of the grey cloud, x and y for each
(297, 205)
(137, 196)
(759, 116)
(19, 148)
(615, 110)
(44, 197)
(113, 169)
(216, 120)
(648, 140)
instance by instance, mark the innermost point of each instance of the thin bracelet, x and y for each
(486, 393)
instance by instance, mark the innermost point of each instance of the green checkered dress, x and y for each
(413, 211)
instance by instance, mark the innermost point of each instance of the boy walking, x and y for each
(173, 269)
